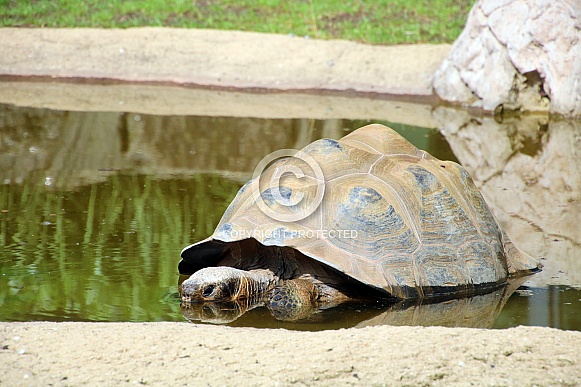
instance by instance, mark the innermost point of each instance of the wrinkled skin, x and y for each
(219, 284)
(286, 299)
(210, 284)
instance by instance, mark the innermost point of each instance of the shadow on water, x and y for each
(95, 208)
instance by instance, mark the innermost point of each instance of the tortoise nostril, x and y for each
(208, 290)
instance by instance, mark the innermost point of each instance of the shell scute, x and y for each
(416, 225)
(477, 257)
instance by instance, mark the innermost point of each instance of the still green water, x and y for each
(96, 207)
(105, 252)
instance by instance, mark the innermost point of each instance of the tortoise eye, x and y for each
(208, 290)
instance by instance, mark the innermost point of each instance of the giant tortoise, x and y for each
(393, 222)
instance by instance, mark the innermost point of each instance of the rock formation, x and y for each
(516, 55)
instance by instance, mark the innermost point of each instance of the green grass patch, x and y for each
(379, 22)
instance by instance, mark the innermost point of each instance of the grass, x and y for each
(379, 22)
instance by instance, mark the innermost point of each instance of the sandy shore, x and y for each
(189, 354)
(222, 59)
(106, 354)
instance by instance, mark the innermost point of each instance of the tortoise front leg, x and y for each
(294, 299)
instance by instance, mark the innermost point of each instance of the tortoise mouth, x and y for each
(187, 293)
(194, 293)
(213, 284)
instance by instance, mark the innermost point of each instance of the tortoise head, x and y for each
(213, 284)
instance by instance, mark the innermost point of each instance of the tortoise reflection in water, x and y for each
(394, 222)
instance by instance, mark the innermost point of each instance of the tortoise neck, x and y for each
(257, 283)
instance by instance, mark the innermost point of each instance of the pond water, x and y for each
(95, 208)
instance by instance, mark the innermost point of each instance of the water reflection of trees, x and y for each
(96, 206)
(70, 149)
(106, 250)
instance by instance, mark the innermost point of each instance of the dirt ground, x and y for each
(106, 354)
(189, 354)
(222, 59)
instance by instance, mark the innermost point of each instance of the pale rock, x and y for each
(516, 55)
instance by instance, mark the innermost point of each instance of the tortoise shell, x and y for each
(391, 216)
